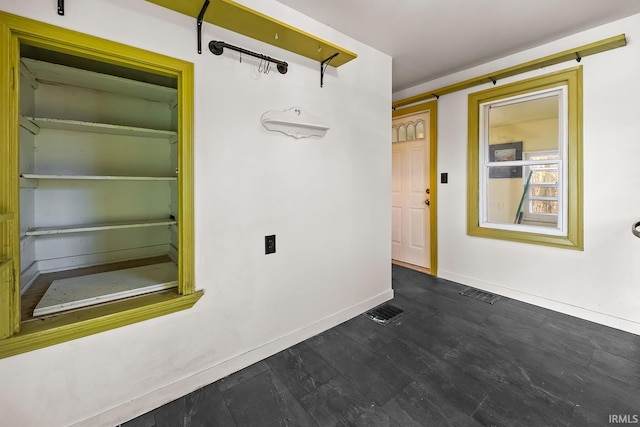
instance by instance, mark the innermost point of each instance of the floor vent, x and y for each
(384, 313)
(481, 295)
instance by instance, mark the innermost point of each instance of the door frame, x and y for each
(432, 108)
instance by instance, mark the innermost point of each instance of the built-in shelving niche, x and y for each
(98, 179)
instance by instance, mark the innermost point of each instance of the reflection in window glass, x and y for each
(411, 132)
(420, 129)
(522, 162)
(402, 133)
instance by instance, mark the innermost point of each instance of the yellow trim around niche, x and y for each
(572, 78)
(27, 336)
(432, 107)
(240, 19)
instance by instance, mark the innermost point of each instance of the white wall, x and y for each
(601, 283)
(327, 200)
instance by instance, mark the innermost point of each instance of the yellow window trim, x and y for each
(572, 78)
(432, 107)
(27, 336)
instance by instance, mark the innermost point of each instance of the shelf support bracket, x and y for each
(323, 66)
(61, 7)
(205, 5)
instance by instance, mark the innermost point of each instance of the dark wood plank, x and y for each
(301, 369)
(562, 345)
(441, 384)
(616, 367)
(203, 407)
(338, 403)
(243, 375)
(420, 404)
(373, 376)
(601, 395)
(614, 343)
(263, 400)
(367, 332)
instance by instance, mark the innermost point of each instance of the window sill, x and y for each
(532, 238)
(47, 331)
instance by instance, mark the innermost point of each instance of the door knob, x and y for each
(427, 202)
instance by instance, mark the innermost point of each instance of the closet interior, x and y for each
(98, 181)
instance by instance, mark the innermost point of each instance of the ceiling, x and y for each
(433, 38)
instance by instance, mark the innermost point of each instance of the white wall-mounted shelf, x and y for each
(47, 231)
(33, 176)
(47, 72)
(294, 122)
(34, 124)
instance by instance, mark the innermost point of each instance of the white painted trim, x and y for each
(36, 124)
(45, 231)
(173, 254)
(561, 307)
(24, 71)
(28, 276)
(142, 404)
(62, 74)
(98, 177)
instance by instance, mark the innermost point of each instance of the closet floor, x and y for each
(39, 287)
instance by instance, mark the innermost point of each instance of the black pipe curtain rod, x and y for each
(216, 47)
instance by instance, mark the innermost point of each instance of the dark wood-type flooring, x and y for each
(449, 360)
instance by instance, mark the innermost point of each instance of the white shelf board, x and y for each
(46, 72)
(45, 231)
(98, 177)
(34, 124)
(83, 291)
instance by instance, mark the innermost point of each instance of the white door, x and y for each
(410, 232)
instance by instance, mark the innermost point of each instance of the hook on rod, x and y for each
(217, 47)
(578, 57)
(323, 67)
(436, 96)
(494, 81)
(205, 5)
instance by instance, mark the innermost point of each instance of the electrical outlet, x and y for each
(270, 244)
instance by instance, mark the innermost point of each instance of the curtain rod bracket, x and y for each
(205, 5)
(323, 67)
(217, 47)
(61, 7)
(578, 57)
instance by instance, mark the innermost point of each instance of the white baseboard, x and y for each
(572, 310)
(156, 398)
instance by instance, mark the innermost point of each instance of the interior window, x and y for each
(525, 167)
